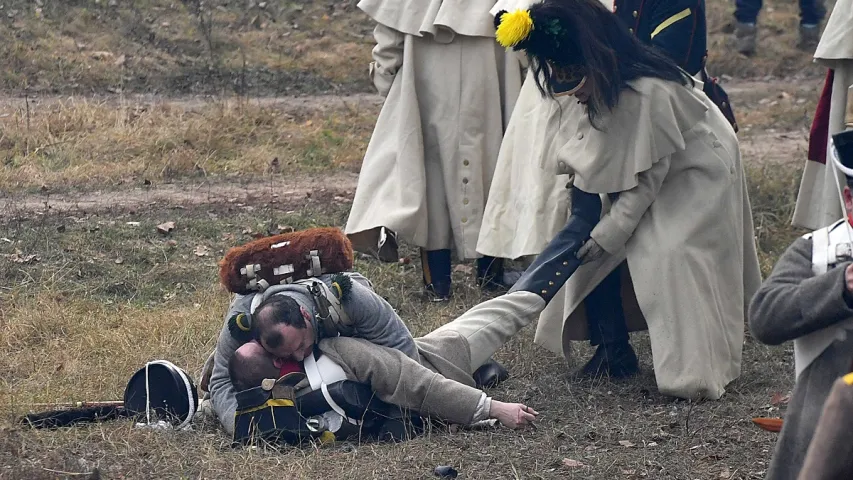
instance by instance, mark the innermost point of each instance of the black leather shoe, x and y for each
(490, 374)
(614, 360)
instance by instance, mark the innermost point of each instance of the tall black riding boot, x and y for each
(558, 261)
(436, 273)
(490, 273)
(614, 356)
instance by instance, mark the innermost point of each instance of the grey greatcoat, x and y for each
(794, 302)
(450, 89)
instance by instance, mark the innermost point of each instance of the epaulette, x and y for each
(341, 286)
(240, 326)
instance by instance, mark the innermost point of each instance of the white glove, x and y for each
(590, 251)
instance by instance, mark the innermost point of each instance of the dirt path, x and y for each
(757, 146)
(183, 194)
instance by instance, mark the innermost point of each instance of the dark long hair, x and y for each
(585, 33)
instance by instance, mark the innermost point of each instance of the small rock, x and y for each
(445, 471)
(101, 55)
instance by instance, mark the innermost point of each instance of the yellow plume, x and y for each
(514, 28)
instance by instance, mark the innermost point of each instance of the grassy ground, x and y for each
(102, 296)
(284, 47)
(90, 291)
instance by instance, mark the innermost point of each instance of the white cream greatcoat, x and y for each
(528, 203)
(682, 221)
(818, 202)
(450, 90)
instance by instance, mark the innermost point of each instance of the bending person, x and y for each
(675, 250)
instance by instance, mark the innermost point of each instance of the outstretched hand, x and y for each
(512, 415)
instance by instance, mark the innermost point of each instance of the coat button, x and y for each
(562, 165)
(631, 30)
(464, 219)
(465, 201)
(465, 162)
(717, 144)
(465, 181)
(635, 13)
(580, 136)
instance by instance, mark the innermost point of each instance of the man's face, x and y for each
(289, 342)
(848, 203)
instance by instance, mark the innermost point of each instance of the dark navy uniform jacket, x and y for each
(675, 26)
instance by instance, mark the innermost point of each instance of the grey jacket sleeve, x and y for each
(222, 394)
(794, 302)
(376, 321)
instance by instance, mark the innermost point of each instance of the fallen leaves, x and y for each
(202, 251)
(569, 463)
(627, 443)
(462, 268)
(769, 424)
(166, 228)
(19, 257)
(779, 399)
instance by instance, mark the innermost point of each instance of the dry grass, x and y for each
(167, 47)
(105, 296)
(777, 54)
(82, 143)
(76, 324)
(90, 46)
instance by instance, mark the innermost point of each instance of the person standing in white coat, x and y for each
(428, 169)
(817, 200)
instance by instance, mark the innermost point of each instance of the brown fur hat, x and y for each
(284, 258)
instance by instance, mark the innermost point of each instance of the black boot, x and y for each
(490, 374)
(558, 261)
(490, 273)
(436, 274)
(607, 329)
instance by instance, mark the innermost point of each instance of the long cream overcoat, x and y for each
(682, 222)
(450, 91)
(818, 203)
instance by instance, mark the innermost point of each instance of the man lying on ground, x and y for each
(438, 381)
(446, 399)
